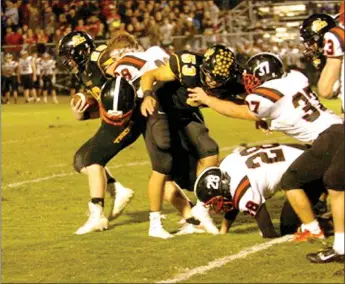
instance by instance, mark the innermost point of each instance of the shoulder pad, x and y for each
(101, 47)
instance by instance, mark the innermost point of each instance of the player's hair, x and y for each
(121, 40)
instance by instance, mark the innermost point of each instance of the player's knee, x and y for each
(78, 162)
(206, 145)
(290, 180)
(161, 133)
(333, 181)
(163, 164)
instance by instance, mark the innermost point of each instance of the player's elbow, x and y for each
(324, 90)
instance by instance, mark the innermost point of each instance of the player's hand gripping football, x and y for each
(78, 106)
(148, 106)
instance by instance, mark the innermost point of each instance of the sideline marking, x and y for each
(225, 260)
(131, 164)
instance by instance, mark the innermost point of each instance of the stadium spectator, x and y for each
(34, 18)
(29, 38)
(11, 12)
(13, 38)
(166, 32)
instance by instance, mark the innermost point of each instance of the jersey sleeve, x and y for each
(175, 65)
(250, 202)
(259, 105)
(334, 42)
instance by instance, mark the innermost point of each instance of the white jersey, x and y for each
(334, 47)
(288, 105)
(9, 68)
(133, 65)
(37, 62)
(47, 67)
(25, 65)
(255, 173)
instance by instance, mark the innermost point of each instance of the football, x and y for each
(93, 110)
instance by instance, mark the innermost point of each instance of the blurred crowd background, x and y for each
(247, 27)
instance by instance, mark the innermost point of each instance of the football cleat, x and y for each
(123, 196)
(96, 222)
(159, 232)
(325, 256)
(201, 213)
(308, 236)
(190, 229)
(156, 228)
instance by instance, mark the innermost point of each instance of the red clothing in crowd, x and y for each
(13, 38)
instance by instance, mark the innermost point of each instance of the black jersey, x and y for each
(186, 67)
(94, 75)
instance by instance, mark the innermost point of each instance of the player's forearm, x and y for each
(264, 222)
(329, 75)
(230, 109)
(147, 81)
(228, 220)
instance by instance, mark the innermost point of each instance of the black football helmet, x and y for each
(74, 49)
(117, 103)
(213, 188)
(260, 68)
(218, 66)
(312, 32)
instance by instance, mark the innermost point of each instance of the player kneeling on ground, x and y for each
(248, 177)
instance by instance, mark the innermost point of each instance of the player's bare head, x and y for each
(260, 68)
(121, 43)
(213, 188)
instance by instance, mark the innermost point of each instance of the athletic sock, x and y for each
(338, 244)
(313, 227)
(98, 201)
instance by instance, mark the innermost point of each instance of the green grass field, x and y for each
(44, 201)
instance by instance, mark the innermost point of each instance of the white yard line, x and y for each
(132, 164)
(225, 260)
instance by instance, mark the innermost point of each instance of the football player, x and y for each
(322, 37)
(92, 69)
(187, 70)
(286, 102)
(9, 71)
(248, 177)
(47, 67)
(27, 75)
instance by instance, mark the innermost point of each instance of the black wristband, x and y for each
(148, 93)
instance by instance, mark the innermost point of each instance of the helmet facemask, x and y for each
(220, 205)
(250, 82)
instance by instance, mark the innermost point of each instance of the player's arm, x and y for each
(264, 222)
(228, 220)
(329, 75)
(34, 76)
(226, 108)
(162, 73)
